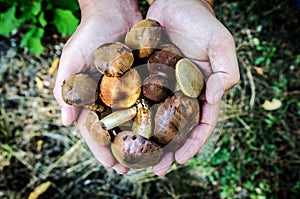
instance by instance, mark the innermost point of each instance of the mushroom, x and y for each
(144, 37)
(80, 90)
(189, 78)
(156, 88)
(164, 59)
(113, 59)
(175, 118)
(121, 92)
(160, 83)
(135, 151)
(99, 129)
(142, 123)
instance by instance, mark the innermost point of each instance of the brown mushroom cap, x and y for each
(144, 36)
(121, 92)
(80, 90)
(100, 133)
(177, 116)
(135, 151)
(156, 88)
(163, 61)
(113, 59)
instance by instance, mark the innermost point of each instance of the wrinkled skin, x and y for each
(100, 20)
(192, 27)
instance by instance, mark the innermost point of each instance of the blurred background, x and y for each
(255, 153)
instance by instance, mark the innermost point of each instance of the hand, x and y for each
(102, 22)
(193, 27)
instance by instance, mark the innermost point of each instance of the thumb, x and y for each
(71, 63)
(223, 60)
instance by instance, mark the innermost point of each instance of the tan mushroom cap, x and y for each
(100, 133)
(113, 59)
(189, 78)
(144, 36)
(121, 92)
(79, 90)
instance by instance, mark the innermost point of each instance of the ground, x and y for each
(257, 154)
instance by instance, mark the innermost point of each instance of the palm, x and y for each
(192, 26)
(99, 24)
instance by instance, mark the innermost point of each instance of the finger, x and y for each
(71, 63)
(165, 163)
(77, 57)
(200, 134)
(223, 60)
(102, 153)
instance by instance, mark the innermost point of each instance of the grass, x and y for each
(256, 156)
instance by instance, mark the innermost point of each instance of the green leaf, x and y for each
(259, 60)
(67, 5)
(65, 22)
(32, 39)
(30, 10)
(8, 21)
(42, 20)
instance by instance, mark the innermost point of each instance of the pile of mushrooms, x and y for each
(146, 101)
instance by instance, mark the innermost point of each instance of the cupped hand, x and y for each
(193, 27)
(101, 22)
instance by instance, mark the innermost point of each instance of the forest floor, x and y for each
(257, 154)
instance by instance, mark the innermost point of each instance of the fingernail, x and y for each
(65, 118)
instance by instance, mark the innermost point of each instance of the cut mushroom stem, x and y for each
(99, 129)
(119, 117)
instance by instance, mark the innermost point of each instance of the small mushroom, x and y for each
(144, 36)
(156, 88)
(142, 123)
(175, 118)
(121, 92)
(163, 61)
(99, 129)
(113, 59)
(189, 78)
(80, 90)
(135, 151)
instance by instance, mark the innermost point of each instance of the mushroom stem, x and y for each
(118, 117)
(142, 123)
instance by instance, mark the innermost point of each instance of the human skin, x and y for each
(102, 21)
(190, 24)
(193, 27)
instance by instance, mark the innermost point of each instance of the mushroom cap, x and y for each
(175, 118)
(121, 92)
(97, 129)
(99, 133)
(135, 151)
(189, 78)
(144, 36)
(113, 59)
(80, 90)
(156, 88)
(164, 59)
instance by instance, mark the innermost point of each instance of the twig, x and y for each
(252, 86)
